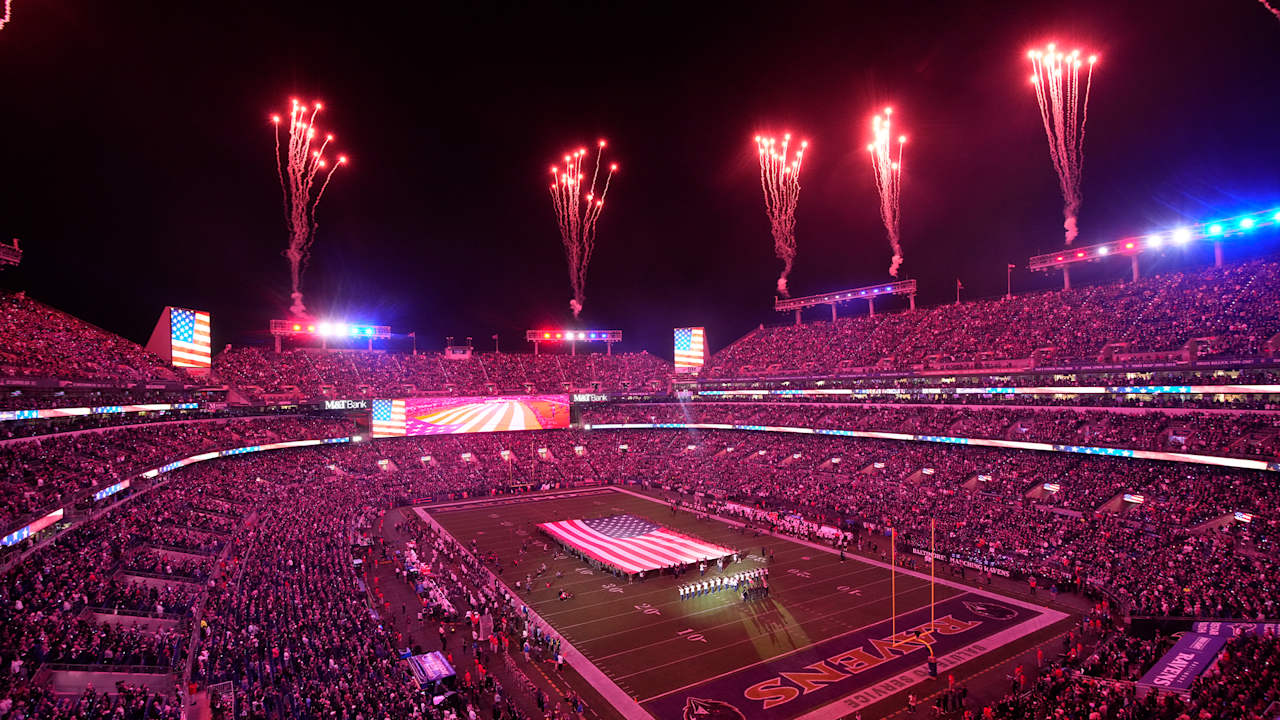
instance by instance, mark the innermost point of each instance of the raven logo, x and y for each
(703, 709)
(991, 610)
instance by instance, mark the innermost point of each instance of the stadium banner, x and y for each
(183, 338)
(110, 490)
(690, 348)
(1217, 460)
(1037, 390)
(961, 561)
(1235, 629)
(430, 667)
(1190, 656)
(27, 531)
(287, 444)
(456, 415)
(46, 413)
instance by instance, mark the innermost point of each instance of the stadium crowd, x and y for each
(355, 374)
(42, 471)
(253, 571)
(1251, 435)
(1237, 307)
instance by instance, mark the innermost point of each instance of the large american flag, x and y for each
(632, 544)
(690, 347)
(189, 337)
(388, 418)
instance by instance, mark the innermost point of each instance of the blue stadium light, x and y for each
(593, 336)
(1246, 224)
(1215, 230)
(1277, 217)
(1182, 236)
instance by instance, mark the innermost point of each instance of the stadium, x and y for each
(1032, 471)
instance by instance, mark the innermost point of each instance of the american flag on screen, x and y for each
(632, 543)
(189, 337)
(690, 347)
(388, 418)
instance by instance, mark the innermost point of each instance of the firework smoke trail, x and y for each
(888, 174)
(1268, 6)
(1064, 111)
(298, 167)
(578, 209)
(780, 181)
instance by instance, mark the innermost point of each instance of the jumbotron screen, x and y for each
(453, 415)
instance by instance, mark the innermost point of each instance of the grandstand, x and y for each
(1031, 473)
(1092, 483)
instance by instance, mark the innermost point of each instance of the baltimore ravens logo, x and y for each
(991, 610)
(703, 709)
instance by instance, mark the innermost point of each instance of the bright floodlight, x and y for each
(1215, 229)
(1155, 241)
(1246, 224)
(1103, 250)
(1182, 236)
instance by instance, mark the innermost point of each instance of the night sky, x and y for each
(138, 171)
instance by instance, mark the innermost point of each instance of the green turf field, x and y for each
(821, 645)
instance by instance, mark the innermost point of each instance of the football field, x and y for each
(821, 645)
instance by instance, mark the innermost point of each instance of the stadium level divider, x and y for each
(1217, 460)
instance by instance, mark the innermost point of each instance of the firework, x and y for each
(780, 181)
(1064, 111)
(888, 174)
(1274, 11)
(5, 19)
(578, 209)
(304, 171)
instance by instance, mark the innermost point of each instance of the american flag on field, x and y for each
(690, 347)
(189, 337)
(388, 418)
(631, 543)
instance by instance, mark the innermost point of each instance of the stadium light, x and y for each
(326, 329)
(608, 337)
(868, 293)
(1214, 231)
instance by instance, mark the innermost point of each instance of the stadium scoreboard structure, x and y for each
(573, 337)
(327, 330)
(1214, 231)
(690, 349)
(10, 254)
(868, 293)
(183, 338)
(410, 417)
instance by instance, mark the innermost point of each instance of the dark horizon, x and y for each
(140, 171)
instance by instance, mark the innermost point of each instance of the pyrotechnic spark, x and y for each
(780, 181)
(5, 20)
(1268, 6)
(1064, 111)
(578, 208)
(888, 173)
(298, 167)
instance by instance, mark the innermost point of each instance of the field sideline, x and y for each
(818, 647)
